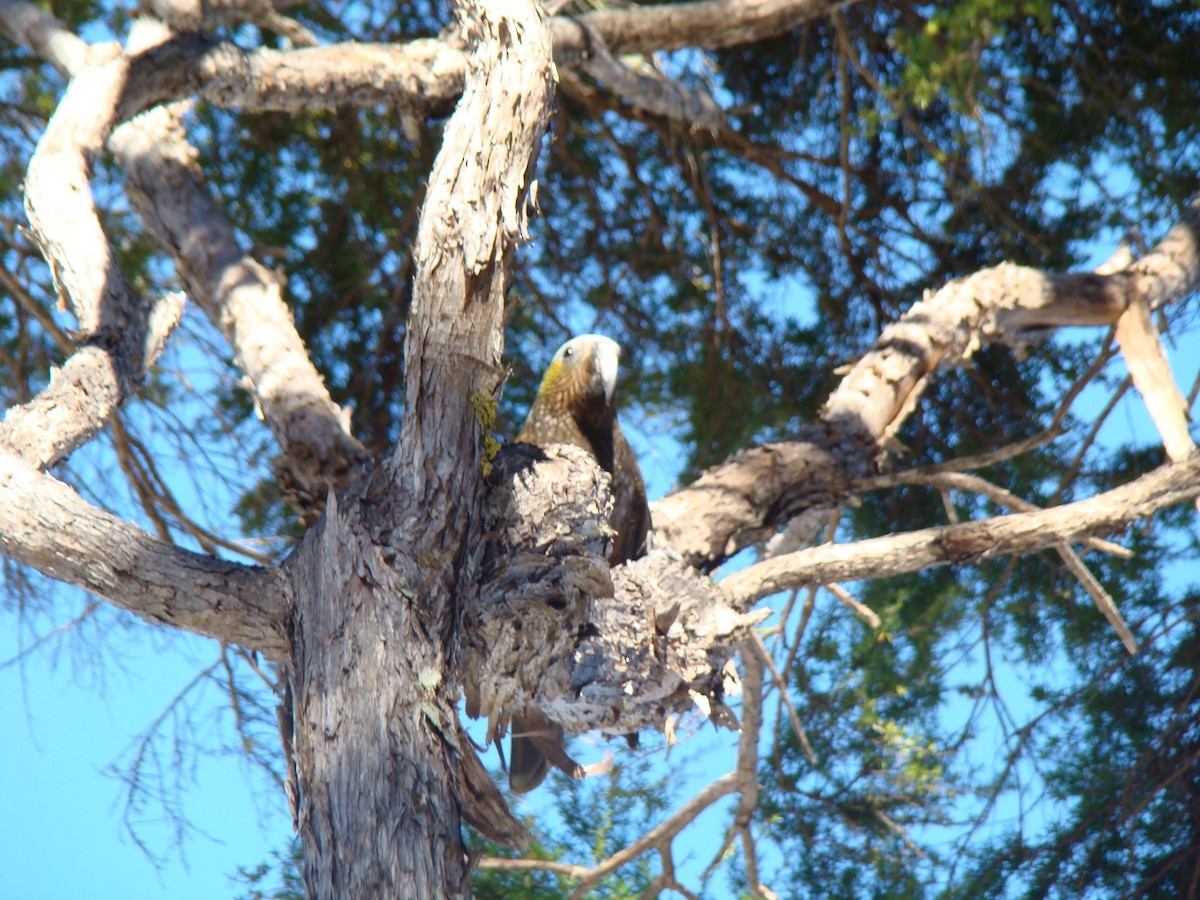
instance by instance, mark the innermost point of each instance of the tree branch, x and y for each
(45, 524)
(743, 500)
(726, 784)
(912, 551)
(648, 90)
(26, 24)
(422, 77)
(121, 335)
(709, 24)
(242, 298)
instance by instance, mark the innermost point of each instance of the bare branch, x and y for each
(961, 481)
(1172, 268)
(26, 24)
(121, 336)
(661, 833)
(1146, 358)
(648, 90)
(423, 77)
(958, 544)
(243, 299)
(707, 24)
(860, 609)
(744, 499)
(193, 15)
(45, 524)
(764, 656)
(1102, 598)
(83, 394)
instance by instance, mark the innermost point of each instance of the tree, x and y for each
(389, 159)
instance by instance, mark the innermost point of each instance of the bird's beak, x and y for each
(608, 356)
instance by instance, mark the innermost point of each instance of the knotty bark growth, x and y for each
(596, 648)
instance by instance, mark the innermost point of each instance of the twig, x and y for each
(761, 649)
(859, 608)
(726, 784)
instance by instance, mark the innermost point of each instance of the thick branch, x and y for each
(747, 496)
(83, 394)
(41, 32)
(709, 24)
(896, 554)
(648, 90)
(422, 77)
(743, 500)
(387, 576)
(243, 299)
(121, 335)
(47, 525)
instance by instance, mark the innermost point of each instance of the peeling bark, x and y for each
(120, 334)
(596, 648)
(375, 730)
(751, 494)
(379, 583)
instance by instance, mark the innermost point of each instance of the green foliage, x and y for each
(279, 879)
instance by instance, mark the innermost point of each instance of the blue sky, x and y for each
(62, 832)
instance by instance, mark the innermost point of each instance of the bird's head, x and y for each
(586, 366)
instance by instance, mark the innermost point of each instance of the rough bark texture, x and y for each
(380, 771)
(745, 499)
(45, 524)
(375, 732)
(748, 496)
(243, 299)
(597, 648)
(711, 23)
(120, 336)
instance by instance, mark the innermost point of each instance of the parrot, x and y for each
(574, 405)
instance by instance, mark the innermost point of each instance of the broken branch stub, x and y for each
(553, 626)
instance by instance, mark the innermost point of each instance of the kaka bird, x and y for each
(574, 405)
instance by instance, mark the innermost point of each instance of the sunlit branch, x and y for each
(45, 524)
(120, 334)
(243, 299)
(913, 551)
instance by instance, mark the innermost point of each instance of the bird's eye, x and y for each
(568, 351)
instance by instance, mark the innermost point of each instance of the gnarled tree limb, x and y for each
(121, 335)
(912, 551)
(746, 497)
(47, 525)
(243, 299)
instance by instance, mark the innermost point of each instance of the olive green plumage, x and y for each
(574, 405)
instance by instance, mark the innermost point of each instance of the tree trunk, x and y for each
(380, 774)
(377, 809)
